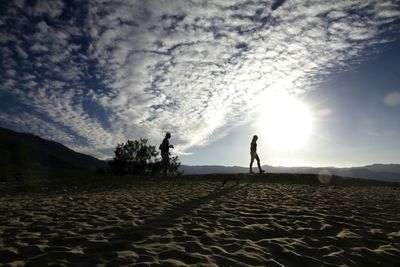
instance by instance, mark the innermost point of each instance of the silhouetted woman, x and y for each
(253, 154)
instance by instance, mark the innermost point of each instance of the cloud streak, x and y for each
(392, 99)
(108, 71)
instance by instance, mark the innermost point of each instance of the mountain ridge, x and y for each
(373, 171)
(26, 152)
(23, 154)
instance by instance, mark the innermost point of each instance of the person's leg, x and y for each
(165, 164)
(258, 164)
(164, 171)
(251, 161)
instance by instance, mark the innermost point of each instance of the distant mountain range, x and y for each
(382, 172)
(24, 153)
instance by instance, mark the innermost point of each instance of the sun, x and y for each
(285, 122)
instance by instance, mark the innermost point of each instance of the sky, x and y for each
(317, 81)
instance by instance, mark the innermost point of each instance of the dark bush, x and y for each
(137, 157)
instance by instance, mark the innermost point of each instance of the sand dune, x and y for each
(180, 222)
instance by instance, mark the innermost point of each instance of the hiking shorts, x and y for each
(253, 155)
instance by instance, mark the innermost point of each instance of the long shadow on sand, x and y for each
(169, 217)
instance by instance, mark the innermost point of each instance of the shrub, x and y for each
(137, 157)
(132, 157)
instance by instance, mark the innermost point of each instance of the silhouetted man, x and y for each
(164, 147)
(253, 154)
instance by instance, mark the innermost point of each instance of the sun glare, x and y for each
(285, 122)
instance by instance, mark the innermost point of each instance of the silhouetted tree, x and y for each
(133, 157)
(137, 157)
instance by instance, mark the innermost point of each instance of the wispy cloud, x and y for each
(108, 71)
(392, 99)
(25, 122)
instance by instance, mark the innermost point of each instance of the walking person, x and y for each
(164, 147)
(254, 155)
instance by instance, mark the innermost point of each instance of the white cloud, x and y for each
(21, 52)
(195, 69)
(52, 8)
(392, 99)
(27, 122)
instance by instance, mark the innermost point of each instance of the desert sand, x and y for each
(180, 222)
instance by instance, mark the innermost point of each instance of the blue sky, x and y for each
(317, 81)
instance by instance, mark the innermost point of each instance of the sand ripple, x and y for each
(204, 224)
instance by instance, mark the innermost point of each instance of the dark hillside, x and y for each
(23, 154)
